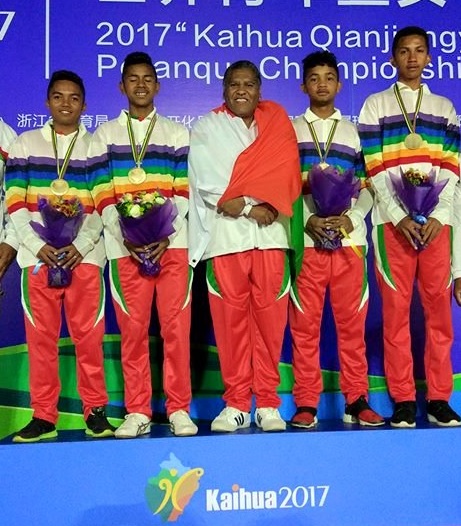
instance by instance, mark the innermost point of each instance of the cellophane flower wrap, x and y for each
(145, 218)
(62, 219)
(332, 190)
(418, 193)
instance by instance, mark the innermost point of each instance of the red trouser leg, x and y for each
(133, 295)
(174, 312)
(83, 304)
(84, 309)
(433, 277)
(249, 318)
(269, 305)
(305, 318)
(345, 275)
(42, 315)
(349, 302)
(397, 266)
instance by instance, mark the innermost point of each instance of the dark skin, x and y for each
(317, 226)
(7, 254)
(154, 250)
(457, 291)
(415, 233)
(264, 214)
(65, 257)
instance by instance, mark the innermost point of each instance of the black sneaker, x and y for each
(404, 414)
(360, 412)
(439, 412)
(37, 429)
(97, 424)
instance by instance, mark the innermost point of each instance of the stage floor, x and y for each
(332, 475)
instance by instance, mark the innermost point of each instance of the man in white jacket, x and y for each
(8, 241)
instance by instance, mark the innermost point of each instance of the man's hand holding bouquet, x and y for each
(62, 219)
(418, 193)
(146, 221)
(332, 190)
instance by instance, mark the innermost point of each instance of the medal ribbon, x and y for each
(322, 160)
(327, 143)
(411, 126)
(139, 156)
(61, 170)
(354, 247)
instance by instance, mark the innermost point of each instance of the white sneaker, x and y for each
(230, 419)
(269, 419)
(135, 424)
(181, 425)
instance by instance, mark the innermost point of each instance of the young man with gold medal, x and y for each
(50, 163)
(142, 151)
(408, 127)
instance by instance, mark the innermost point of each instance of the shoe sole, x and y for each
(272, 427)
(304, 426)
(189, 432)
(126, 435)
(223, 429)
(104, 434)
(46, 436)
(451, 423)
(349, 419)
(403, 425)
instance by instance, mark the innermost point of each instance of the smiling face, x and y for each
(66, 103)
(321, 85)
(411, 56)
(139, 84)
(242, 91)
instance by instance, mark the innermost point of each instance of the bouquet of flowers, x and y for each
(145, 218)
(332, 190)
(418, 193)
(62, 219)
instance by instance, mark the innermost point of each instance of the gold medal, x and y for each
(413, 141)
(59, 187)
(136, 175)
(324, 166)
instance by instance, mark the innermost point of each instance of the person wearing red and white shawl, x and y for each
(244, 178)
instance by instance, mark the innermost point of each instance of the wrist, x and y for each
(246, 209)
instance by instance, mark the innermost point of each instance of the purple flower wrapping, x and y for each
(420, 200)
(332, 192)
(156, 224)
(58, 230)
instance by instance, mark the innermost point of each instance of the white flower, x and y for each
(159, 200)
(148, 198)
(135, 211)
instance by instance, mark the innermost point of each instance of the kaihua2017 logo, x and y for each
(169, 492)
